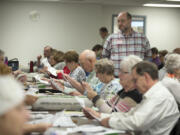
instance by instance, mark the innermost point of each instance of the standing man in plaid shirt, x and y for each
(126, 42)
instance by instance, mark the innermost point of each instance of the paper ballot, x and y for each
(82, 103)
(52, 71)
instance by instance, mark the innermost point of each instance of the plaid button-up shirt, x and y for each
(118, 46)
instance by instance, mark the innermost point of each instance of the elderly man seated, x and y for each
(87, 61)
(45, 61)
(155, 115)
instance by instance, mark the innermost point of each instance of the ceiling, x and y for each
(106, 2)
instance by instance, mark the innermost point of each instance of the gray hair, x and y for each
(129, 61)
(172, 62)
(1, 52)
(104, 66)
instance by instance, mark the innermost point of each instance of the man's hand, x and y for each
(89, 113)
(105, 122)
(39, 57)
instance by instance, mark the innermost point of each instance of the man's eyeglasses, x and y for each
(123, 72)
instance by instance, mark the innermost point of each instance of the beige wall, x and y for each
(162, 24)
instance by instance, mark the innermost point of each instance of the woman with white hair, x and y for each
(172, 78)
(28, 100)
(126, 98)
(12, 111)
(104, 69)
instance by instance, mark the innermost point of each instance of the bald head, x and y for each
(124, 21)
(127, 14)
(87, 60)
(88, 54)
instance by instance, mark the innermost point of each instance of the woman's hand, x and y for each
(75, 93)
(90, 92)
(30, 100)
(58, 84)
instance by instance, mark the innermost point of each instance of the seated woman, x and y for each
(56, 60)
(29, 100)
(172, 78)
(126, 98)
(162, 55)
(155, 58)
(71, 59)
(104, 69)
(12, 111)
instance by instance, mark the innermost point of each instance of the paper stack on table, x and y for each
(59, 119)
(86, 130)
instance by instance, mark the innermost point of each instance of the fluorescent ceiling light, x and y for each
(174, 0)
(161, 5)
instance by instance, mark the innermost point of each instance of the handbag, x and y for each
(14, 64)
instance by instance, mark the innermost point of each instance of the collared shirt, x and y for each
(118, 46)
(92, 79)
(173, 85)
(104, 39)
(155, 115)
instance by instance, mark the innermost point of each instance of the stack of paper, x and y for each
(59, 119)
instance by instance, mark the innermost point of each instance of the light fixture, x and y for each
(174, 0)
(160, 5)
(34, 15)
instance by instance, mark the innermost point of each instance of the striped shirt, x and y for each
(118, 46)
(124, 101)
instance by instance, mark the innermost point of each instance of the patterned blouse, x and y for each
(107, 91)
(78, 74)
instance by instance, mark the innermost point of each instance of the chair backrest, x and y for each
(176, 129)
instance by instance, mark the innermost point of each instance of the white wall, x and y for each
(62, 26)
(75, 26)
